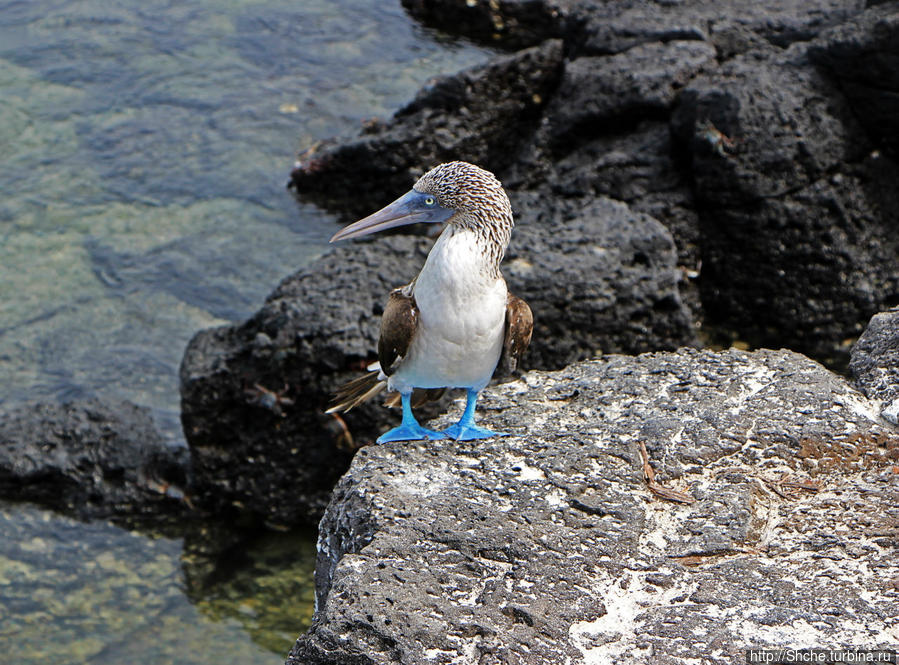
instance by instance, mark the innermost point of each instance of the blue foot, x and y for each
(409, 429)
(465, 429)
(410, 432)
(463, 432)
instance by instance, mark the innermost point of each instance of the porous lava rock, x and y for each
(483, 115)
(91, 459)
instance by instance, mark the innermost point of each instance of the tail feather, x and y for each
(355, 392)
(361, 389)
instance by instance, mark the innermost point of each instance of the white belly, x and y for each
(462, 312)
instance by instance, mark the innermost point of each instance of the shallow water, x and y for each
(144, 149)
(97, 593)
(146, 146)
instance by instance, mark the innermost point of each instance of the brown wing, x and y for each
(519, 326)
(398, 325)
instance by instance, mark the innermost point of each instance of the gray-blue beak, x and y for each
(410, 208)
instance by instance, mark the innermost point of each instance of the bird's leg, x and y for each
(465, 429)
(409, 429)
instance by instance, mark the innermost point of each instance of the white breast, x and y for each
(462, 310)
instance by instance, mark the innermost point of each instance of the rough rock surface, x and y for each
(547, 547)
(863, 56)
(601, 94)
(90, 459)
(604, 279)
(875, 363)
(612, 26)
(601, 278)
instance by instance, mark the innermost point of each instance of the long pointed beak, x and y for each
(408, 209)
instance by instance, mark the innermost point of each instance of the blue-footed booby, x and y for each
(450, 326)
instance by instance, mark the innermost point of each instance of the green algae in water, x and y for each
(268, 587)
(96, 593)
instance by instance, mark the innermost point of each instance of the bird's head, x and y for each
(458, 193)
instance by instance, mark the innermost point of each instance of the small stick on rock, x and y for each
(788, 488)
(662, 492)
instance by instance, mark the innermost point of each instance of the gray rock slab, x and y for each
(875, 363)
(546, 546)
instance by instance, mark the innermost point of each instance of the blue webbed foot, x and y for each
(462, 432)
(465, 429)
(409, 429)
(409, 432)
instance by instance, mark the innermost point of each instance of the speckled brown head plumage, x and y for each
(476, 195)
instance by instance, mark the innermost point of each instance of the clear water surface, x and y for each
(144, 149)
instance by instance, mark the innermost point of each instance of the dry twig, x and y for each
(662, 492)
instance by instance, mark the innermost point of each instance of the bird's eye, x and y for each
(430, 200)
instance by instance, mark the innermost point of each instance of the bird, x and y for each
(453, 324)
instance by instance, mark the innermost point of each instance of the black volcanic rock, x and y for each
(547, 546)
(733, 27)
(482, 115)
(589, 27)
(90, 459)
(507, 23)
(253, 395)
(863, 56)
(604, 94)
(599, 279)
(797, 211)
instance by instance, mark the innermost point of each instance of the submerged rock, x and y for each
(546, 546)
(91, 459)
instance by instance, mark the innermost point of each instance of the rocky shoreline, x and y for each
(683, 175)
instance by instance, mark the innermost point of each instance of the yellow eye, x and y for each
(429, 201)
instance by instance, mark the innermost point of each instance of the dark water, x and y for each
(144, 148)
